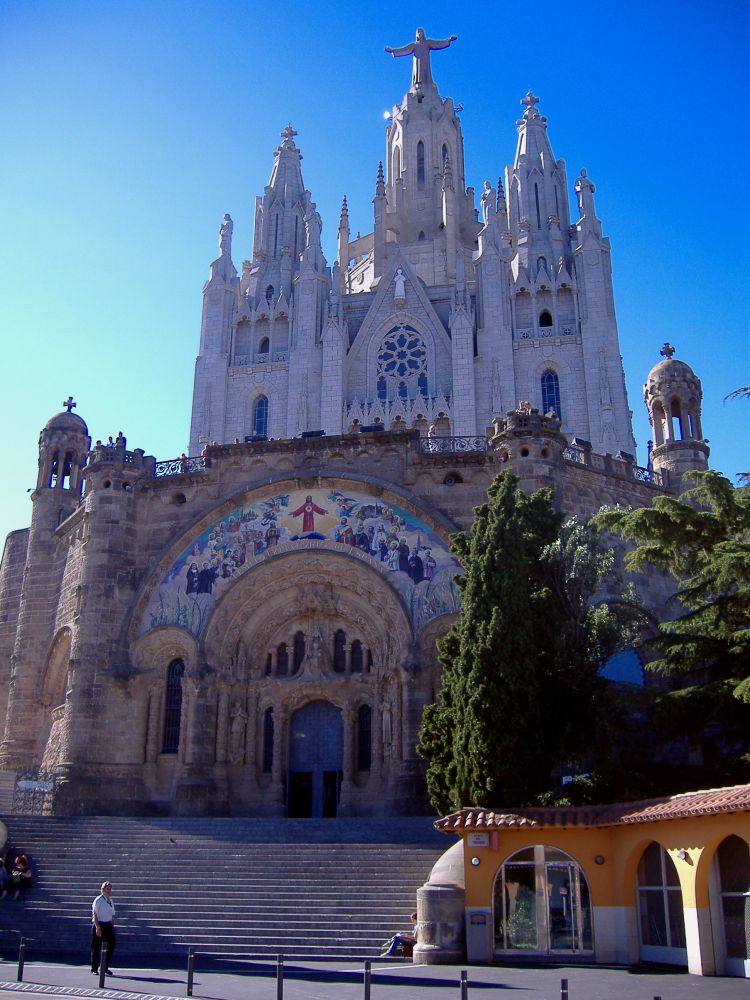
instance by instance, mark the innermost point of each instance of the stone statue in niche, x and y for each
(387, 724)
(238, 721)
(399, 280)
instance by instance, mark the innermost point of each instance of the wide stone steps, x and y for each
(331, 888)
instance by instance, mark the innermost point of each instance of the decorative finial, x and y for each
(667, 351)
(69, 404)
(380, 182)
(288, 133)
(530, 100)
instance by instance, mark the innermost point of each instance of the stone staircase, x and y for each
(235, 887)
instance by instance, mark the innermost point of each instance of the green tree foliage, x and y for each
(521, 663)
(703, 540)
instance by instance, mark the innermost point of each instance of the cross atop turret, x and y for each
(530, 100)
(69, 404)
(667, 351)
(288, 133)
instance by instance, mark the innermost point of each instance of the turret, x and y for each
(673, 395)
(63, 446)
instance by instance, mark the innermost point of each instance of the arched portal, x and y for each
(315, 760)
(732, 877)
(660, 908)
(542, 904)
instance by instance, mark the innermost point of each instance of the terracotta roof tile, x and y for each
(709, 802)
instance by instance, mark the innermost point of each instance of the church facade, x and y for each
(250, 628)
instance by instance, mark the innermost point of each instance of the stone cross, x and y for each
(69, 404)
(667, 351)
(529, 100)
(288, 133)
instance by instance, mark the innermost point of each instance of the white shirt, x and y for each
(102, 910)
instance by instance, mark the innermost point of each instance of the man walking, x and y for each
(103, 927)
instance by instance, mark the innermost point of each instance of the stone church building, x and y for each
(250, 628)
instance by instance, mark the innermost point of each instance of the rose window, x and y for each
(402, 353)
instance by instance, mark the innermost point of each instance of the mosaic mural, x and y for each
(417, 561)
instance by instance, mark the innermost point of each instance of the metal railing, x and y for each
(452, 445)
(178, 466)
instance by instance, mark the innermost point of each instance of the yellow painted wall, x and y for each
(614, 882)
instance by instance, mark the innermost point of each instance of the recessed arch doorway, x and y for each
(316, 749)
(542, 904)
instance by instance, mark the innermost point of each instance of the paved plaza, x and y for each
(309, 980)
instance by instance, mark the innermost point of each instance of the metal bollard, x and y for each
(280, 978)
(191, 971)
(563, 989)
(103, 964)
(21, 959)
(464, 985)
(368, 978)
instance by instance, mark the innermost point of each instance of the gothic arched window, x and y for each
(270, 291)
(420, 164)
(364, 738)
(396, 163)
(545, 318)
(339, 651)
(173, 707)
(299, 651)
(445, 155)
(54, 470)
(268, 741)
(282, 660)
(551, 393)
(357, 657)
(264, 346)
(382, 389)
(422, 384)
(260, 417)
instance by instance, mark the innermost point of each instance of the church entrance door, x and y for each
(316, 739)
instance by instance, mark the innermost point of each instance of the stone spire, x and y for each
(537, 191)
(343, 256)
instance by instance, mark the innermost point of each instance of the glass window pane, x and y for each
(737, 926)
(734, 865)
(561, 903)
(649, 867)
(527, 854)
(676, 919)
(584, 928)
(518, 908)
(553, 854)
(653, 923)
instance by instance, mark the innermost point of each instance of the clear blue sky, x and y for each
(129, 128)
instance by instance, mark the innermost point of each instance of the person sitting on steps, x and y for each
(402, 943)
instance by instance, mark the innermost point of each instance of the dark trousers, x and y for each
(108, 938)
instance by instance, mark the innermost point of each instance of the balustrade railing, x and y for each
(177, 466)
(269, 358)
(452, 445)
(545, 332)
(602, 463)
